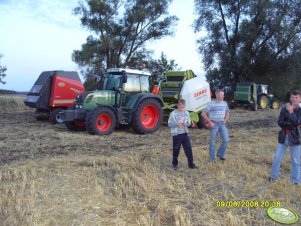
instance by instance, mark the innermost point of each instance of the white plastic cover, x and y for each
(196, 93)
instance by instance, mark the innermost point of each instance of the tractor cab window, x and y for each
(262, 89)
(144, 83)
(132, 84)
(112, 82)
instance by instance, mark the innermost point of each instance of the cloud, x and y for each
(37, 36)
(51, 12)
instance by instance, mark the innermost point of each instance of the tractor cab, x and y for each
(127, 83)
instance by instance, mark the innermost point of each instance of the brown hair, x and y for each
(181, 101)
(217, 91)
(296, 92)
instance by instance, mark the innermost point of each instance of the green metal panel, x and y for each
(106, 97)
(171, 88)
(134, 100)
(242, 93)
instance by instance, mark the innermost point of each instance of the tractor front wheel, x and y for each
(101, 121)
(263, 101)
(275, 103)
(148, 117)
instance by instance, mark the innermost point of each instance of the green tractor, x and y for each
(254, 95)
(123, 98)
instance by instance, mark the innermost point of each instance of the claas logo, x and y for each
(201, 92)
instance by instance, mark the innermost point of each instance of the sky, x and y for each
(40, 35)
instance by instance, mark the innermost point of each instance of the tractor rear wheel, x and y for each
(275, 103)
(263, 101)
(76, 125)
(101, 121)
(54, 118)
(148, 117)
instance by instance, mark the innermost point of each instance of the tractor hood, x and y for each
(90, 100)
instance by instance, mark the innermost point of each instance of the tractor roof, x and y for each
(128, 71)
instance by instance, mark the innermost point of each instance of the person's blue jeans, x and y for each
(220, 128)
(295, 161)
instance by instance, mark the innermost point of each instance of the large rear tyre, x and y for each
(275, 103)
(54, 117)
(148, 117)
(263, 101)
(101, 121)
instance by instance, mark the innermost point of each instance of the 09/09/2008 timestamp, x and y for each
(247, 204)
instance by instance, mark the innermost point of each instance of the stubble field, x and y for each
(51, 176)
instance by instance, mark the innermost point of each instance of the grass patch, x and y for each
(12, 103)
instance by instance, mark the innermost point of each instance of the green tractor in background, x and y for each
(254, 95)
(123, 98)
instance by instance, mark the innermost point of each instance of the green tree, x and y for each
(246, 40)
(157, 67)
(160, 66)
(2, 72)
(121, 28)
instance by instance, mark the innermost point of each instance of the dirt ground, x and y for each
(23, 137)
(52, 176)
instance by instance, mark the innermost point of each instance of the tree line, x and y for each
(256, 41)
(240, 40)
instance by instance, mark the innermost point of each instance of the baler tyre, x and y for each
(101, 121)
(41, 117)
(202, 124)
(275, 103)
(147, 118)
(53, 117)
(76, 125)
(232, 105)
(263, 101)
(254, 106)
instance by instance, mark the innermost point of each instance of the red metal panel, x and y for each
(64, 91)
